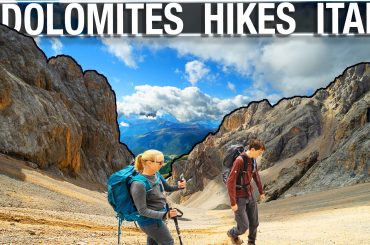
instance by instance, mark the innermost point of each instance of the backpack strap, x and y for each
(148, 186)
(240, 184)
(160, 177)
(142, 180)
(254, 165)
(245, 163)
(160, 181)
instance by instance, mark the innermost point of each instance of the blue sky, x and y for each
(163, 67)
(194, 78)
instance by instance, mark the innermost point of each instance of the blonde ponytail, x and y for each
(139, 163)
(149, 155)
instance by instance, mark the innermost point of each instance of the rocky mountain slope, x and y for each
(313, 143)
(56, 115)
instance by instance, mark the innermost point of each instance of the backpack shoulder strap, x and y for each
(160, 180)
(143, 180)
(240, 184)
(245, 162)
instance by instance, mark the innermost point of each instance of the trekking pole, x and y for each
(119, 229)
(177, 229)
(176, 222)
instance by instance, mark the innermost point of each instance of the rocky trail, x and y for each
(38, 208)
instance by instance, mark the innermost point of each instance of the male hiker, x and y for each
(241, 193)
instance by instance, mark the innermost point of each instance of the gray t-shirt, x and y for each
(149, 203)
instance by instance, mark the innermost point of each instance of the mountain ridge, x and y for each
(56, 115)
(284, 142)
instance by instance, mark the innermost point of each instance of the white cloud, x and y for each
(280, 66)
(186, 104)
(231, 86)
(148, 117)
(56, 45)
(195, 71)
(123, 124)
(277, 66)
(296, 65)
(122, 49)
(257, 94)
(236, 53)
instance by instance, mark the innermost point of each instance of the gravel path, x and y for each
(38, 208)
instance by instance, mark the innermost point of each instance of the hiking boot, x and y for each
(251, 243)
(234, 240)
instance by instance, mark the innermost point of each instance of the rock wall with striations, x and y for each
(56, 115)
(313, 143)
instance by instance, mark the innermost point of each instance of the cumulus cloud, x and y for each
(56, 45)
(236, 53)
(121, 48)
(295, 66)
(277, 66)
(286, 66)
(195, 71)
(257, 94)
(281, 66)
(188, 104)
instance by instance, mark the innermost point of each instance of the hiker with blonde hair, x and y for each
(152, 203)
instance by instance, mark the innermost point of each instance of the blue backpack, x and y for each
(119, 196)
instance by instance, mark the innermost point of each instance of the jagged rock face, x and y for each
(54, 114)
(333, 124)
(289, 176)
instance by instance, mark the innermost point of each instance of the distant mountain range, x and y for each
(165, 134)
